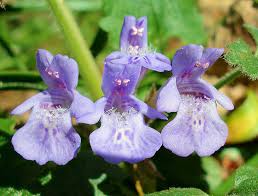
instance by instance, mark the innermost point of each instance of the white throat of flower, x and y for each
(137, 51)
(121, 123)
(196, 109)
(52, 116)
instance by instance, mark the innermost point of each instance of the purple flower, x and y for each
(123, 135)
(197, 126)
(134, 47)
(48, 135)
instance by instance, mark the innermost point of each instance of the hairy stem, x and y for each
(229, 77)
(78, 47)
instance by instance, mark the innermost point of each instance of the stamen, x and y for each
(137, 31)
(118, 82)
(202, 65)
(206, 65)
(56, 74)
(51, 72)
(126, 81)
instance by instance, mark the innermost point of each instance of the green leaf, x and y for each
(146, 84)
(254, 32)
(3, 141)
(45, 179)
(227, 185)
(246, 181)
(7, 125)
(246, 113)
(180, 174)
(166, 19)
(240, 55)
(13, 192)
(179, 192)
(213, 171)
(96, 182)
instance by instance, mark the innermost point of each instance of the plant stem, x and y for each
(225, 187)
(229, 77)
(79, 5)
(10, 76)
(21, 85)
(78, 47)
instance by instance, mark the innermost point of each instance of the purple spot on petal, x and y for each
(135, 59)
(129, 134)
(54, 132)
(119, 136)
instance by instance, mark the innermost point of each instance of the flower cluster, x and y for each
(123, 135)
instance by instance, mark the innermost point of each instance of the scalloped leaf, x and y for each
(13, 192)
(179, 192)
(240, 55)
(246, 181)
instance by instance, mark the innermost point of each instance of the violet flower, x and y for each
(197, 126)
(134, 47)
(48, 135)
(123, 135)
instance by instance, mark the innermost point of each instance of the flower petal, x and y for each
(129, 22)
(67, 69)
(156, 61)
(93, 117)
(194, 87)
(213, 135)
(210, 55)
(185, 58)
(220, 97)
(81, 105)
(134, 32)
(132, 141)
(58, 71)
(49, 75)
(147, 110)
(192, 61)
(29, 103)
(42, 140)
(117, 57)
(177, 137)
(168, 97)
(119, 77)
(202, 129)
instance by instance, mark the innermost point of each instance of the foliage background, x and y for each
(26, 25)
